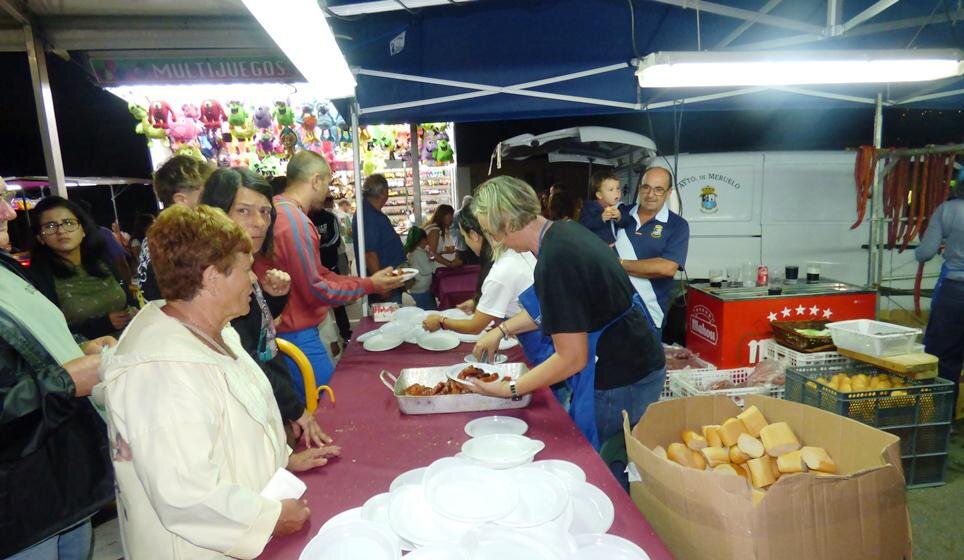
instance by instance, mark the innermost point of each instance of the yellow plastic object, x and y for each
(307, 374)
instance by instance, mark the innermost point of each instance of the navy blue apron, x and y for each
(536, 344)
(934, 296)
(582, 409)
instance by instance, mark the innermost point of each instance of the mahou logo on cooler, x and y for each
(703, 324)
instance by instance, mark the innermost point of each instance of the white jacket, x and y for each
(205, 436)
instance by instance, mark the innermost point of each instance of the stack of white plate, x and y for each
(462, 508)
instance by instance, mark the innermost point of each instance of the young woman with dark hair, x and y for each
(441, 245)
(71, 266)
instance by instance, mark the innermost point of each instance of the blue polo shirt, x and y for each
(666, 235)
(380, 237)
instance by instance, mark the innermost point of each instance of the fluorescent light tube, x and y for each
(709, 69)
(301, 31)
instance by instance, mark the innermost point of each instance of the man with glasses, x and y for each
(654, 246)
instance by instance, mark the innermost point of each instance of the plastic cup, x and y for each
(792, 273)
(716, 277)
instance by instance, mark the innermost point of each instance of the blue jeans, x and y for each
(309, 342)
(945, 332)
(633, 398)
(425, 300)
(72, 544)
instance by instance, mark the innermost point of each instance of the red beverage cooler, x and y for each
(726, 325)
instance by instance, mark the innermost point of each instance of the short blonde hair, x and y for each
(185, 241)
(509, 204)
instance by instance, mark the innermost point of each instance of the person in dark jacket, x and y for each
(71, 266)
(246, 198)
(55, 470)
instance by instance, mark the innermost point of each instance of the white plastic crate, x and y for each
(875, 338)
(667, 390)
(687, 383)
(772, 350)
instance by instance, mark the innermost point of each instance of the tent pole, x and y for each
(359, 199)
(43, 98)
(416, 176)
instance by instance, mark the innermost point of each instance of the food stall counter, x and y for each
(725, 325)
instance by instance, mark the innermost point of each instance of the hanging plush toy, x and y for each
(144, 126)
(403, 144)
(325, 118)
(269, 166)
(212, 115)
(265, 143)
(189, 150)
(283, 115)
(428, 146)
(184, 131)
(344, 136)
(289, 140)
(240, 126)
(262, 118)
(443, 152)
(159, 113)
(328, 150)
(308, 124)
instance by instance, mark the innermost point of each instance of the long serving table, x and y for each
(378, 442)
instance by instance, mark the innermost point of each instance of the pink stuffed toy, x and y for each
(184, 131)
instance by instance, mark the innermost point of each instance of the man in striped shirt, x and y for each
(314, 288)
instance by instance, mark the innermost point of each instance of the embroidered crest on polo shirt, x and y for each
(657, 231)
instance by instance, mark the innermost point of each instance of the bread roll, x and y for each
(779, 439)
(761, 474)
(738, 456)
(660, 452)
(817, 459)
(715, 455)
(791, 462)
(750, 445)
(753, 419)
(730, 431)
(712, 435)
(693, 440)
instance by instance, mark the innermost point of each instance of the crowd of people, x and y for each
(179, 404)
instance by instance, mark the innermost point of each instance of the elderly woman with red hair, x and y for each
(193, 424)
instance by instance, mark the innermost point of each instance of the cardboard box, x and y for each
(859, 514)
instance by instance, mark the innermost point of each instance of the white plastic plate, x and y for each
(353, 539)
(491, 542)
(376, 509)
(413, 476)
(353, 514)
(410, 315)
(471, 493)
(490, 425)
(407, 274)
(570, 473)
(439, 552)
(607, 547)
(438, 341)
(542, 498)
(593, 511)
(381, 342)
(501, 448)
(412, 518)
(497, 359)
(454, 371)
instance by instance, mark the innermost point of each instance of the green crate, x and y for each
(928, 401)
(922, 439)
(921, 471)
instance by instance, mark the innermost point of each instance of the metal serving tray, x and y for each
(430, 376)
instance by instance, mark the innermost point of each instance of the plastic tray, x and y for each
(689, 383)
(874, 338)
(928, 401)
(667, 389)
(775, 351)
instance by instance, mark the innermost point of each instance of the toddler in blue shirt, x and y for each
(603, 214)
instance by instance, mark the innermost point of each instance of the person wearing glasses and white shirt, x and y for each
(653, 245)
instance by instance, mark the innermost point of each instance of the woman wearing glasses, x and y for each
(71, 266)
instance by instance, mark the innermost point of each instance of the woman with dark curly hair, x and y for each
(441, 245)
(70, 265)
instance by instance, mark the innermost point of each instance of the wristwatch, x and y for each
(514, 391)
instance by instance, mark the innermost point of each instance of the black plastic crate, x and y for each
(924, 470)
(922, 439)
(928, 401)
